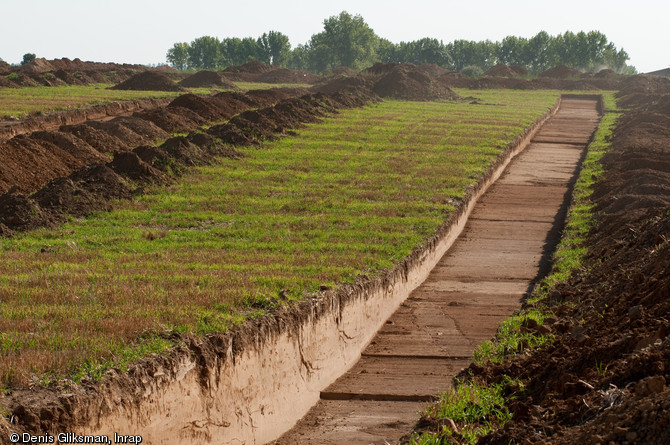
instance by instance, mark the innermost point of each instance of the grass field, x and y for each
(354, 194)
(21, 102)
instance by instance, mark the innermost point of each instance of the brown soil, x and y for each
(408, 83)
(285, 75)
(501, 70)
(561, 72)
(148, 81)
(605, 378)
(207, 79)
(68, 72)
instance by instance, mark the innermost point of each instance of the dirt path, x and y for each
(478, 283)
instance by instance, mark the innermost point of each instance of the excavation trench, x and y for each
(503, 249)
(361, 367)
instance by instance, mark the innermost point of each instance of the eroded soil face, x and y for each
(605, 379)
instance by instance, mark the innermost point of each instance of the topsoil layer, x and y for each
(605, 378)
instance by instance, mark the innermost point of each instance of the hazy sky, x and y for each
(141, 31)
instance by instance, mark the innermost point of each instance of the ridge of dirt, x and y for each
(59, 162)
(207, 79)
(69, 72)
(500, 70)
(148, 81)
(396, 81)
(605, 378)
(561, 72)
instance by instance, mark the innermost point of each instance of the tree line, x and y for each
(347, 40)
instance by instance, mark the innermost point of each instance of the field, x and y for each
(352, 195)
(22, 102)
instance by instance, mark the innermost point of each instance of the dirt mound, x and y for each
(344, 82)
(148, 81)
(561, 72)
(343, 71)
(252, 67)
(500, 70)
(207, 79)
(519, 70)
(285, 75)
(408, 83)
(434, 70)
(39, 65)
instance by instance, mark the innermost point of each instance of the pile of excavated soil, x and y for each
(148, 81)
(343, 82)
(67, 72)
(285, 75)
(343, 71)
(519, 70)
(406, 82)
(253, 67)
(500, 70)
(605, 379)
(561, 72)
(207, 79)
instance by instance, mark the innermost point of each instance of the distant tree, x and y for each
(511, 51)
(387, 51)
(204, 53)
(27, 58)
(177, 56)
(298, 59)
(346, 40)
(537, 53)
(471, 53)
(275, 47)
(236, 51)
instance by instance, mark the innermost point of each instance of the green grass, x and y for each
(474, 408)
(352, 195)
(23, 102)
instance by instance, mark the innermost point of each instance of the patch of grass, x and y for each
(475, 410)
(513, 337)
(569, 254)
(21, 102)
(350, 196)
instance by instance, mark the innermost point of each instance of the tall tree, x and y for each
(276, 48)
(27, 58)
(177, 56)
(346, 40)
(205, 53)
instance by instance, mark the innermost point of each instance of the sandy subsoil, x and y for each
(478, 283)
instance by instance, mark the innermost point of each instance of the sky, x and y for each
(141, 31)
